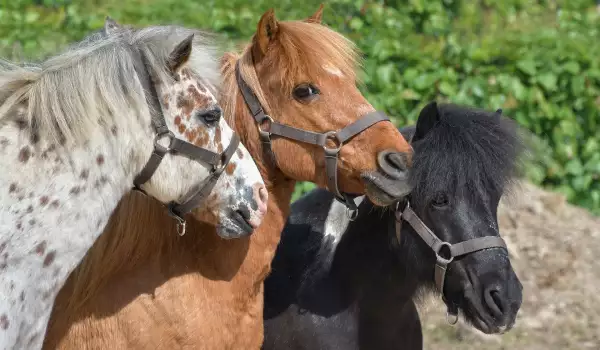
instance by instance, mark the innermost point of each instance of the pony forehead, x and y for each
(309, 49)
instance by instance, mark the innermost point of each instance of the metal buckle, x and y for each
(181, 227)
(259, 125)
(332, 135)
(181, 223)
(158, 146)
(405, 207)
(218, 168)
(440, 259)
(451, 317)
(451, 311)
(352, 214)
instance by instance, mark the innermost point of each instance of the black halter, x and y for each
(339, 137)
(218, 161)
(443, 256)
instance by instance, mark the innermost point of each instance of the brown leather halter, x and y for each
(217, 161)
(444, 256)
(339, 137)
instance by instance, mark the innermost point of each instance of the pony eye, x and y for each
(210, 116)
(306, 92)
(440, 200)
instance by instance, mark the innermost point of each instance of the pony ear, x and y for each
(180, 54)
(316, 17)
(498, 114)
(408, 132)
(267, 30)
(428, 117)
(110, 25)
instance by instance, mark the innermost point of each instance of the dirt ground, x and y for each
(555, 249)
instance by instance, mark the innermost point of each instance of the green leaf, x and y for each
(410, 94)
(356, 23)
(518, 90)
(578, 85)
(447, 89)
(31, 17)
(574, 167)
(527, 66)
(548, 81)
(591, 147)
(582, 183)
(572, 67)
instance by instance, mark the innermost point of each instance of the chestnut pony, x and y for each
(201, 291)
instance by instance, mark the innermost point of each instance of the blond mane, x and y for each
(93, 83)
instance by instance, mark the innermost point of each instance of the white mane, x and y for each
(94, 82)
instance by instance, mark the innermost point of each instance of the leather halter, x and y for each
(217, 161)
(339, 137)
(443, 259)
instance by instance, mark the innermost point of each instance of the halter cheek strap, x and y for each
(217, 161)
(268, 127)
(452, 250)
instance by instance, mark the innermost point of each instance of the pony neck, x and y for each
(366, 265)
(60, 199)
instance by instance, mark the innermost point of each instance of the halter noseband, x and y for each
(339, 137)
(437, 245)
(217, 161)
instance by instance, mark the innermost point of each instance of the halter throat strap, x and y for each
(217, 161)
(268, 127)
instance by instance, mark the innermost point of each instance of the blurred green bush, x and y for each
(536, 59)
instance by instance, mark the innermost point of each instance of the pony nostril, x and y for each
(260, 198)
(397, 161)
(393, 164)
(263, 195)
(495, 303)
(244, 213)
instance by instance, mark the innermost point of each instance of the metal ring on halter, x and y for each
(400, 202)
(218, 168)
(332, 135)
(351, 214)
(259, 125)
(451, 318)
(440, 259)
(159, 137)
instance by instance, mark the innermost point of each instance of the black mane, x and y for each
(467, 148)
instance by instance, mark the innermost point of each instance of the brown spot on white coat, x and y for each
(40, 249)
(49, 258)
(4, 323)
(230, 168)
(24, 154)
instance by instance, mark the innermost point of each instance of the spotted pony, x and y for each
(78, 130)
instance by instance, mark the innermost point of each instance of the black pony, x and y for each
(341, 284)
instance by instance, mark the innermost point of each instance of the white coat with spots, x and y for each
(74, 132)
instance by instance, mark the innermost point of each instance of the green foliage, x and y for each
(536, 59)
